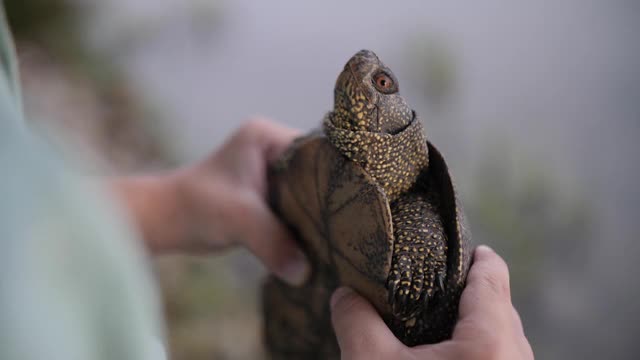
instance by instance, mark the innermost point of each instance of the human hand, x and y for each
(488, 326)
(225, 199)
(220, 202)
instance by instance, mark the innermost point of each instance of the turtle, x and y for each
(372, 203)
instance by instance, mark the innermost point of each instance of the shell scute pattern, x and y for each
(374, 207)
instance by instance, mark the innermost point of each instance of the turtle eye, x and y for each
(385, 83)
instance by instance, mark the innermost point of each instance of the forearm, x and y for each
(152, 202)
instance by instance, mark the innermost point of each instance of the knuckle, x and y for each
(528, 351)
(496, 284)
(347, 304)
(498, 345)
(496, 278)
(516, 319)
(354, 354)
(255, 130)
(502, 268)
(365, 346)
(254, 125)
(247, 130)
(491, 349)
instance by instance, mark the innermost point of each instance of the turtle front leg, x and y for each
(419, 260)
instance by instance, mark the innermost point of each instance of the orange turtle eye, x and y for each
(384, 83)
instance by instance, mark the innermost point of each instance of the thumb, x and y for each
(360, 331)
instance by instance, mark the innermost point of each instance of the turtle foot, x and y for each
(412, 284)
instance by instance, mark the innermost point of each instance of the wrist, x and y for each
(153, 203)
(204, 199)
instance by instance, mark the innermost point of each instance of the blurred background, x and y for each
(536, 106)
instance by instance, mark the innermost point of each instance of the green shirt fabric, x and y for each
(74, 282)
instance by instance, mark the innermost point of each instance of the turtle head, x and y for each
(367, 99)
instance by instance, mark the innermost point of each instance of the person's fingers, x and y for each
(269, 240)
(361, 332)
(487, 283)
(517, 322)
(488, 327)
(449, 349)
(241, 164)
(272, 137)
(485, 304)
(525, 349)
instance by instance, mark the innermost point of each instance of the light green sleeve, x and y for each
(73, 283)
(8, 61)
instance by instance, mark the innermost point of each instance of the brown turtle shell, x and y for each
(342, 220)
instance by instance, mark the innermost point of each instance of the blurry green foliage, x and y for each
(56, 27)
(209, 314)
(41, 19)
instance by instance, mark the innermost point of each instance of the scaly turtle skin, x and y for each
(374, 207)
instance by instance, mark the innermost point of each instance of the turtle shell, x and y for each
(342, 220)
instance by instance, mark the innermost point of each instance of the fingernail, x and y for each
(297, 270)
(482, 251)
(339, 294)
(484, 248)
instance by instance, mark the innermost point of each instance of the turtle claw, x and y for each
(440, 278)
(425, 301)
(402, 307)
(392, 288)
(411, 289)
(401, 300)
(405, 285)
